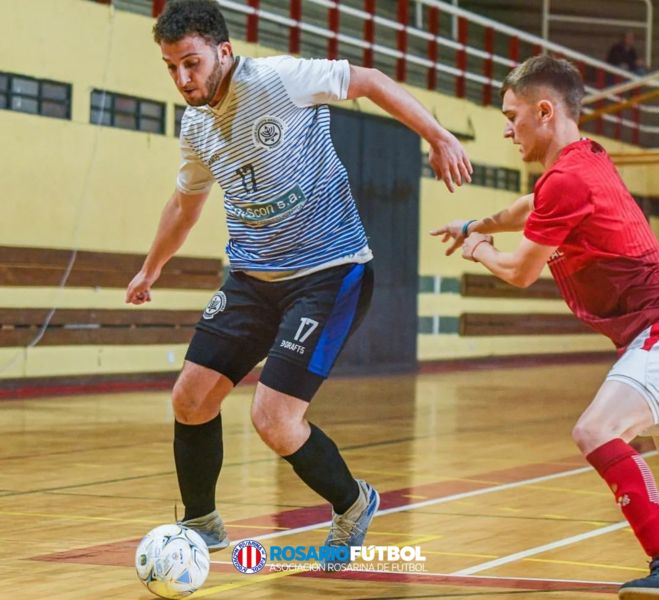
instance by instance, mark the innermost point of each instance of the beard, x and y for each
(212, 84)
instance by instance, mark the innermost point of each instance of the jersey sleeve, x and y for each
(194, 177)
(561, 202)
(310, 82)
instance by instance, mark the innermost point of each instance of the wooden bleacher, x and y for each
(491, 324)
(44, 267)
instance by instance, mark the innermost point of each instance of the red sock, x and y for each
(633, 484)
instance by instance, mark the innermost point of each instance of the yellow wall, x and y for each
(96, 188)
(71, 184)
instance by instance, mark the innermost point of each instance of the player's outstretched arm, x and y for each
(512, 218)
(178, 217)
(520, 268)
(447, 156)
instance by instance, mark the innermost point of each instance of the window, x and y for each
(498, 178)
(178, 116)
(126, 112)
(35, 96)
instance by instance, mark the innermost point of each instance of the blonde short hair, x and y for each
(547, 72)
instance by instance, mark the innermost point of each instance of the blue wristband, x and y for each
(465, 227)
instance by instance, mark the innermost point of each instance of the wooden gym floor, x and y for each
(477, 468)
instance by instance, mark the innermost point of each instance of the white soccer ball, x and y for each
(172, 561)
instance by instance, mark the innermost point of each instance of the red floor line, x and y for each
(479, 582)
(516, 361)
(30, 390)
(303, 517)
(121, 553)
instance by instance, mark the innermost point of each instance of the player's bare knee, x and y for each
(265, 423)
(259, 419)
(271, 428)
(582, 435)
(185, 406)
(589, 434)
(192, 405)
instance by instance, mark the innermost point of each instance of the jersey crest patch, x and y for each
(217, 304)
(268, 132)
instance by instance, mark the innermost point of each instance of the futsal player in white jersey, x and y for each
(301, 278)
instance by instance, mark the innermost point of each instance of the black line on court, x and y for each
(76, 451)
(165, 473)
(82, 485)
(387, 443)
(172, 500)
(512, 426)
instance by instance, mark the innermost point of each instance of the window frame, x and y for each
(177, 122)
(136, 115)
(40, 99)
(489, 176)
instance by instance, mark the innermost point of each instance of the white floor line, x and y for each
(540, 549)
(489, 490)
(435, 501)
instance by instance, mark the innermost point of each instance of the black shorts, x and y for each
(300, 324)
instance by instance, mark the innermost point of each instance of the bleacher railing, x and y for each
(468, 57)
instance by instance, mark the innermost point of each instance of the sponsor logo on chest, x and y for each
(268, 132)
(265, 213)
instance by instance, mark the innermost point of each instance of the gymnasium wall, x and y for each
(71, 184)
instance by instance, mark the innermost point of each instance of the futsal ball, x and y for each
(172, 561)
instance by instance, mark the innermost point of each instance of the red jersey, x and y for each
(607, 262)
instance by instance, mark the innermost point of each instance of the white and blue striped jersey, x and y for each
(267, 143)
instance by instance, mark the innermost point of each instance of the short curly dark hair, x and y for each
(191, 17)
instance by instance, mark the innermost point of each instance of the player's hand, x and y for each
(451, 231)
(470, 243)
(139, 289)
(449, 161)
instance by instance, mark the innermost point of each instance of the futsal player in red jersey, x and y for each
(605, 258)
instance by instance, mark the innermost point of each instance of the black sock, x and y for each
(319, 464)
(198, 453)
